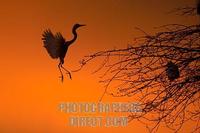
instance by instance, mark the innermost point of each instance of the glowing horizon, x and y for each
(30, 86)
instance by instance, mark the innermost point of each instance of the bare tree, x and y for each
(162, 71)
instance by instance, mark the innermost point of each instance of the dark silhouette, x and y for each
(198, 7)
(172, 71)
(161, 71)
(57, 47)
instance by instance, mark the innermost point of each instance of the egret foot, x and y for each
(70, 76)
(62, 78)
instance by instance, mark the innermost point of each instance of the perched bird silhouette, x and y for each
(172, 71)
(57, 46)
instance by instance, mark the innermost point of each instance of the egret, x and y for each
(57, 46)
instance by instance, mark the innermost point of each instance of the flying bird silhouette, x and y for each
(57, 46)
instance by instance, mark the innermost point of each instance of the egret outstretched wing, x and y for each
(53, 44)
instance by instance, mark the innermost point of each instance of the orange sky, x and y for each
(30, 87)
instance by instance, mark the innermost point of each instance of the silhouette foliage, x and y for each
(162, 71)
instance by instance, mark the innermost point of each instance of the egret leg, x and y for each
(60, 71)
(70, 76)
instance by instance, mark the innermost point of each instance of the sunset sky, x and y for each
(30, 86)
